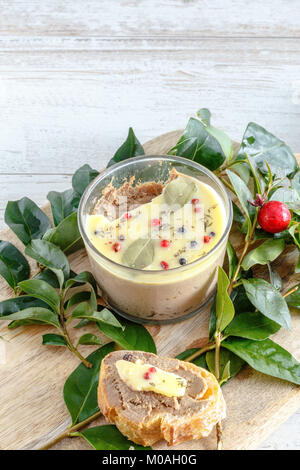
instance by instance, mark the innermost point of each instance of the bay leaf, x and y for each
(139, 254)
(179, 191)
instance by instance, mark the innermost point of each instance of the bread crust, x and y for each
(172, 428)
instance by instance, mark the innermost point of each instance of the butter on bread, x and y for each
(146, 417)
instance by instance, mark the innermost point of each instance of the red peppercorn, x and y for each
(164, 265)
(116, 247)
(155, 222)
(165, 243)
(206, 238)
(147, 375)
(152, 370)
(127, 215)
(197, 209)
(195, 201)
(274, 217)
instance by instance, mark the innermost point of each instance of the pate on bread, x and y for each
(146, 416)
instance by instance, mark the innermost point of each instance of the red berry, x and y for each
(164, 265)
(165, 243)
(206, 238)
(147, 375)
(274, 217)
(155, 222)
(152, 370)
(195, 201)
(127, 215)
(116, 247)
(197, 209)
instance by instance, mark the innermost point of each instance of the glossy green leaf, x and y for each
(139, 254)
(83, 310)
(268, 301)
(133, 337)
(17, 323)
(62, 204)
(49, 255)
(82, 178)
(224, 305)
(240, 300)
(200, 361)
(15, 304)
(82, 323)
(243, 194)
(14, 266)
(66, 235)
(80, 389)
(26, 219)
(275, 279)
(266, 357)
(54, 340)
(232, 260)
(267, 251)
(89, 339)
(212, 318)
(203, 143)
(34, 313)
(77, 299)
(261, 146)
(48, 276)
(130, 148)
(252, 325)
(226, 372)
(108, 437)
(83, 278)
(293, 300)
(41, 290)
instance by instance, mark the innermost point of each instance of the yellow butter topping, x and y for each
(149, 378)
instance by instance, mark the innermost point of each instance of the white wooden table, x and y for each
(75, 74)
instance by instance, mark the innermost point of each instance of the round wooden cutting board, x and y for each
(31, 381)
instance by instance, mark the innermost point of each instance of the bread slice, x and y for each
(148, 417)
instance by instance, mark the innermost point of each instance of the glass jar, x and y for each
(148, 296)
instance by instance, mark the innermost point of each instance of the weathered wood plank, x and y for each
(61, 107)
(144, 18)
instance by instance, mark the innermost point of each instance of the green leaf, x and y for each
(43, 291)
(83, 310)
(237, 214)
(275, 279)
(26, 219)
(17, 323)
(130, 148)
(139, 254)
(83, 278)
(14, 266)
(267, 251)
(243, 194)
(240, 300)
(80, 389)
(51, 256)
(203, 143)
(268, 301)
(226, 372)
(48, 276)
(212, 318)
(133, 337)
(82, 178)
(21, 302)
(261, 146)
(232, 260)
(34, 313)
(266, 357)
(293, 300)
(62, 204)
(89, 339)
(295, 184)
(77, 299)
(66, 235)
(224, 305)
(54, 340)
(179, 191)
(82, 323)
(252, 325)
(108, 437)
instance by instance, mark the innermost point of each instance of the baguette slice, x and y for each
(148, 417)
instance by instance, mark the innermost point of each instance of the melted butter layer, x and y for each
(147, 378)
(179, 236)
